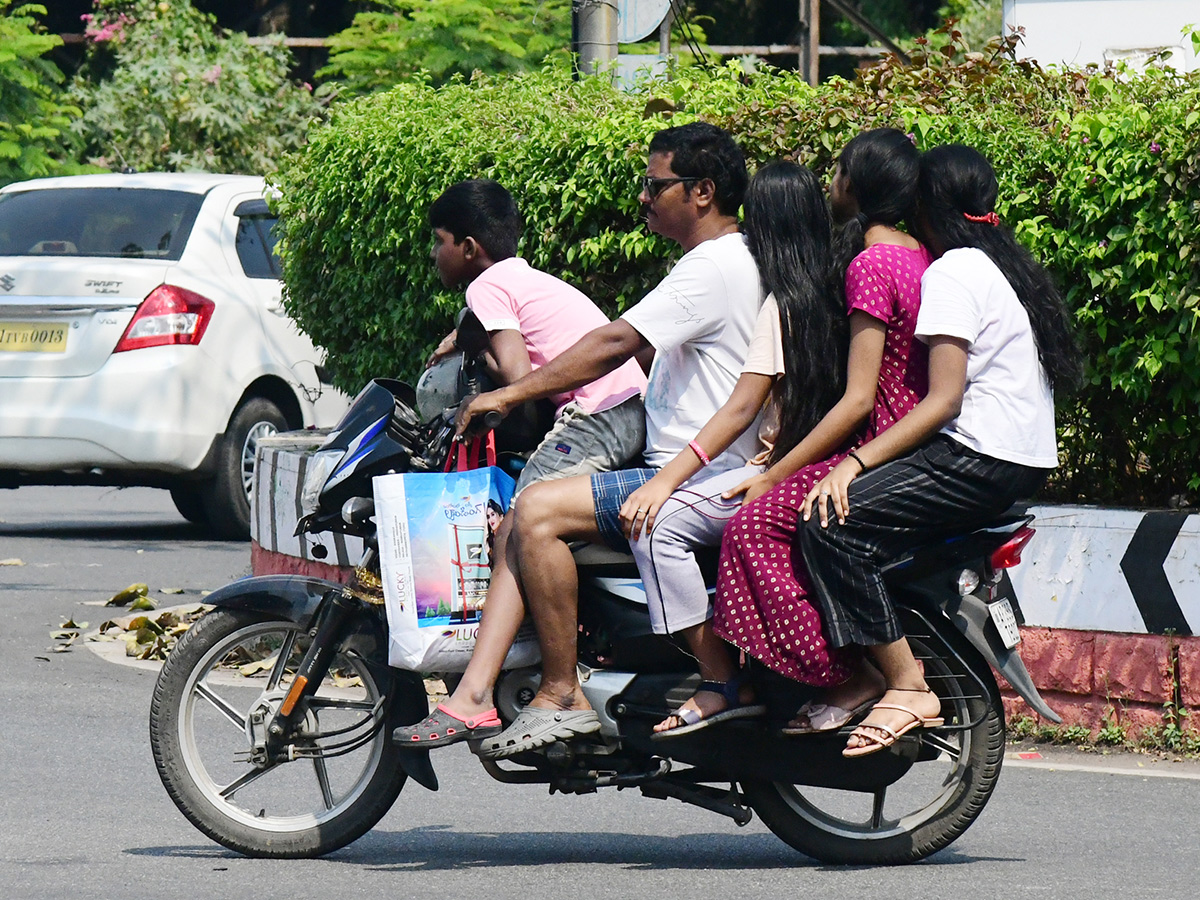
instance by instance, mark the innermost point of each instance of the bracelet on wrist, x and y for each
(854, 456)
(699, 451)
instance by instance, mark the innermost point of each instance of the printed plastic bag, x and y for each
(435, 552)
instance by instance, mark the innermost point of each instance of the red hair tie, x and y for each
(991, 218)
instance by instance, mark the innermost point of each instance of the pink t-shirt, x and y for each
(884, 281)
(552, 316)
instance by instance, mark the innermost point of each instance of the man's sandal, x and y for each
(444, 726)
(692, 720)
(888, 735)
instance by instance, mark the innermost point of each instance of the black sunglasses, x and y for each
(655, 186)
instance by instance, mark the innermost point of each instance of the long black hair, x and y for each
(882, 166)
(788, 232)
(957, 182)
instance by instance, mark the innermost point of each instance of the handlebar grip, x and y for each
(492, 419)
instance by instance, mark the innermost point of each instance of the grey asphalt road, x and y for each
(82, 813)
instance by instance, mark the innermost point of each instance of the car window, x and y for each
(256, 238)
(110, 222)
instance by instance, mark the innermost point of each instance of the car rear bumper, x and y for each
(138, 412)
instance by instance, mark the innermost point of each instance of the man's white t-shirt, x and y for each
(699, 320)
(1008, 408)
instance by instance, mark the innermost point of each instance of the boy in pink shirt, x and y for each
(531, 317)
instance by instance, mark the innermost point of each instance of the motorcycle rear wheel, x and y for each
(233, 668)
(933, 803)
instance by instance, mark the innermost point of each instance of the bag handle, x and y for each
(480, 449)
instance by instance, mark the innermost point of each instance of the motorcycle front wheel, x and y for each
(952, 776)
(219, 686)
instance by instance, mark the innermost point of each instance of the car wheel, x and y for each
(189, 500)
(227, 500)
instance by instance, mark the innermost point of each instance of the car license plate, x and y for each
(32, 337)
(1006, 622)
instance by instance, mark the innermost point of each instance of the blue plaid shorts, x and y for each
(609, 490)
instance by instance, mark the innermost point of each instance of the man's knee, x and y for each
(552, 509)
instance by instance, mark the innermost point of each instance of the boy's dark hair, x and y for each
(700, 150)
(957, 181)
(482, 209)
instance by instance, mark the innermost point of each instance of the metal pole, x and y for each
(664, 32)
(814, 42)
(596, 22)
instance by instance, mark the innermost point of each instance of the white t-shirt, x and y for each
(1008, 408)
(699, 320)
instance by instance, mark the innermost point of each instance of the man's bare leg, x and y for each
(550, 514)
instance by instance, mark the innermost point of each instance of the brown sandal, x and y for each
(890, 735)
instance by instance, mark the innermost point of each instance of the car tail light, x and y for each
(168, 315)
(1008, 555)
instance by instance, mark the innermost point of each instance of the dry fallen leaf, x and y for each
(128, 595)
(258, 667)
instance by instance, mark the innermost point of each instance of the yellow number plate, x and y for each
(32, 337)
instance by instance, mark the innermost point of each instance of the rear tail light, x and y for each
(169, 315)
(1008, 555)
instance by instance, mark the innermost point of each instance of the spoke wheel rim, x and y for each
(211, 773)
(873, 818)
(250, 450)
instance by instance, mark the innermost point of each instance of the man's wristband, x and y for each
(854, 456)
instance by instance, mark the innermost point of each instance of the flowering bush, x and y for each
(1099, 176)
(164, 89)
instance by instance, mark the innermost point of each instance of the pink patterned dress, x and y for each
(762, 604)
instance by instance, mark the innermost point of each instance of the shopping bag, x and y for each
(435, 555)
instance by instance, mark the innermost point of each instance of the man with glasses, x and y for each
(697, 322)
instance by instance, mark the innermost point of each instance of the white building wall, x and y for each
(1079, 32)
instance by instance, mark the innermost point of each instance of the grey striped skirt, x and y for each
(942, 489)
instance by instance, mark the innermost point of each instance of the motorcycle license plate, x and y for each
(1006, 622)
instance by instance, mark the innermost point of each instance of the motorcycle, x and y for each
(271, 720)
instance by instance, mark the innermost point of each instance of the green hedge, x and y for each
(1099, 175)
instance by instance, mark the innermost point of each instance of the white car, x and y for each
(143, 340)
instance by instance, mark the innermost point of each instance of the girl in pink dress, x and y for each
(762, 604)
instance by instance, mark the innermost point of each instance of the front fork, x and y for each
(328, 627)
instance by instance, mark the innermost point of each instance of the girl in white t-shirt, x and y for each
(788, 231)
(999, 342)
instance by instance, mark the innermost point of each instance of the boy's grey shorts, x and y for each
(581, 443)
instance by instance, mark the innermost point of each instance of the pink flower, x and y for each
(213, 74)
(308, 87)
(1085, 140)
(1154, 147)
(108, 30)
